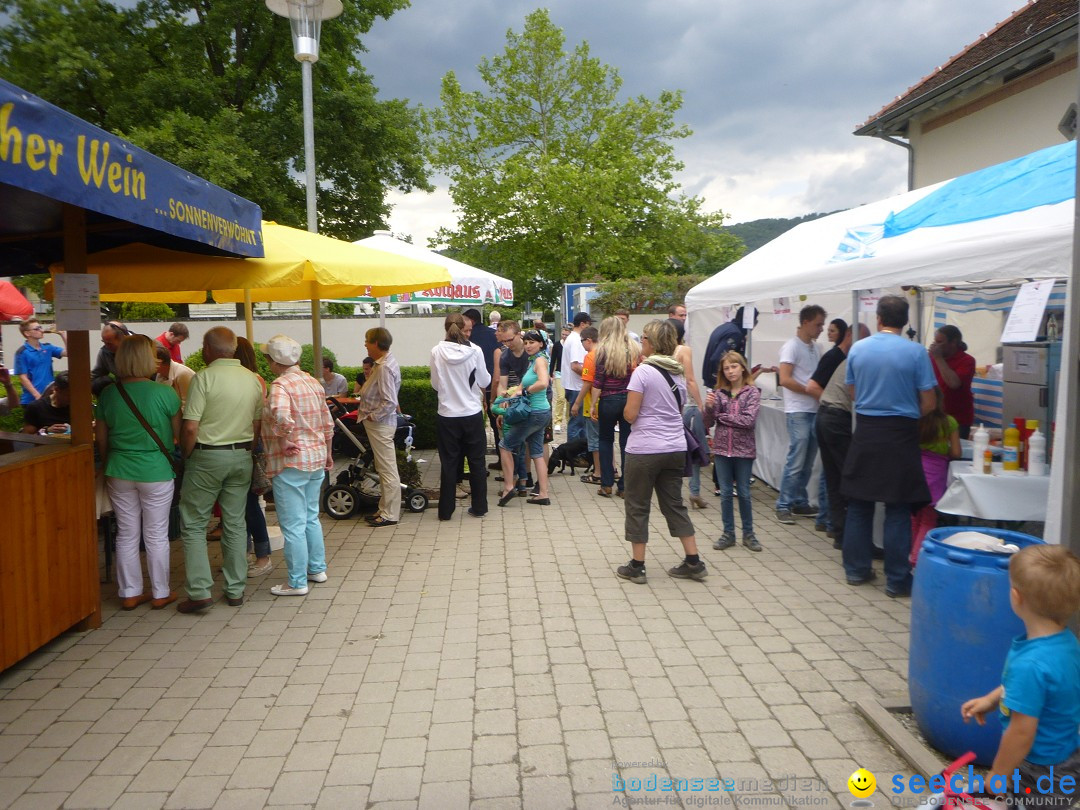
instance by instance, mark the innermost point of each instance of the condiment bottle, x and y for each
(980, 440)
(987, 462)
(1010, 449)
(1036, 453)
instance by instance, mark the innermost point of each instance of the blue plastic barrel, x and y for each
(961, 628)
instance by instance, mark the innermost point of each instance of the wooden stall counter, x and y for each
(49, 554)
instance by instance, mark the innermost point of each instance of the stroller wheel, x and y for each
(417, 502)
(340, 502)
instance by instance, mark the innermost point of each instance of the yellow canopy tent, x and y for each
(298, 266)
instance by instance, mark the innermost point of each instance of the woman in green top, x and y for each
(138, 476)
(530, 432)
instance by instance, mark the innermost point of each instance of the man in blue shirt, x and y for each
(34, 359)
(892, 385)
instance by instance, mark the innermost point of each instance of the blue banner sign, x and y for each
(49, 151)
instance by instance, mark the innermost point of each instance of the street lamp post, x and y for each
(305, 19)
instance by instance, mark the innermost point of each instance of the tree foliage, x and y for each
(646, 294)
(556, 179)
(212, 86)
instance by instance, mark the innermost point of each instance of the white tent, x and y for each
(468, 284)
(1006, 223)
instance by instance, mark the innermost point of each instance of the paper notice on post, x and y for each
(77, 301)
(1025, 317)
(748, 317)
(781, 308)
(868, 300)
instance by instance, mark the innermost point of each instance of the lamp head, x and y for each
(305, 19)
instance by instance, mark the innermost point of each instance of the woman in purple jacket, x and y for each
(733, 408)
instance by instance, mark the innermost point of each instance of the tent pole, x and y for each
(78, 342)
(249, 325)
(1068, 423)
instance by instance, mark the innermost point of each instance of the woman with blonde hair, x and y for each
(656, 454)
(733, 407)
(136, 419)
(616, 358)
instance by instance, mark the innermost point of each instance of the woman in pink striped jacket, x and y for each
(733, 409)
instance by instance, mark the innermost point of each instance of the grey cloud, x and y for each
(770, 87)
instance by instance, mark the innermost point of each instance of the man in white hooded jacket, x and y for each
(458, 374)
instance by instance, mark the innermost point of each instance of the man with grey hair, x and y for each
(493, 318)
(377, 412)
(103, 374)
(221, 416)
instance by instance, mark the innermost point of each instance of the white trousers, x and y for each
(141, 509)
(381, 438)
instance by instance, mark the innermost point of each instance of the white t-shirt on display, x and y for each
(803, 357)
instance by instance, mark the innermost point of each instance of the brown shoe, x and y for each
(235, 601)
(192, 605)
(132, 602)
(158, 604)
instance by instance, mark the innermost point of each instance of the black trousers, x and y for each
(460, 438)
(833, 428)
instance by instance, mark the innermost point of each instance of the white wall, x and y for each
(413, 337)
(1008, 128)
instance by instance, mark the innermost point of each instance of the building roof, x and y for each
(1028, 31)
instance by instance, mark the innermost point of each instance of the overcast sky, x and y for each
(772, 88)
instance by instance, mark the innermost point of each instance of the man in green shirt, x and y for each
(221, 416)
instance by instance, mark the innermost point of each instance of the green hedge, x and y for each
(195, 362)
(418, 399)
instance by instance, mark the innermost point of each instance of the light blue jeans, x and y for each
(296, 496)
(802, 450)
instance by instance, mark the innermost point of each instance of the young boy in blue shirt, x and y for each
(1039, 696)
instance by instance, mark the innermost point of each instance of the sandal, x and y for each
(590, 479)
(506, 497)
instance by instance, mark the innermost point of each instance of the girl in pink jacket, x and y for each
(733, 409)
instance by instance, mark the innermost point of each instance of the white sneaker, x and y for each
(286, 590)
(319, 577)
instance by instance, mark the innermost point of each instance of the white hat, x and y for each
(282, 349)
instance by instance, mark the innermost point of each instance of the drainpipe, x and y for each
(910, 158)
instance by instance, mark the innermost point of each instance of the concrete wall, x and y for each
(413, 336)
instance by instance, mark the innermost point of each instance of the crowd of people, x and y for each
(600, 385)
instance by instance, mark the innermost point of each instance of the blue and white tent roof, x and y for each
(1008, 222)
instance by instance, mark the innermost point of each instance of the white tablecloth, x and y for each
(999, 496)
(772, 447)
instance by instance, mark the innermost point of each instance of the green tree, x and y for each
(212, 86)
(558, 180)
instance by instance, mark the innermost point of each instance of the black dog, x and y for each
(575, 453)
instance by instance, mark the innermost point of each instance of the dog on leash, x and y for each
(573, 453)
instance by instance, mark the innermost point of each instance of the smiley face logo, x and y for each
(861, 783)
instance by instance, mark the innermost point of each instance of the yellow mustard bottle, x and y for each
(1010, 449)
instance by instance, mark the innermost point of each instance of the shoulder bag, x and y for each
(177, 464)
(695, 453)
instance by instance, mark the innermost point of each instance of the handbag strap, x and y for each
(142, 421)
(674, 388)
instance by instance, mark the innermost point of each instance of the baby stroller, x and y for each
(357, 486)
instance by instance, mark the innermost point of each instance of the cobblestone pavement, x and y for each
(493, 663)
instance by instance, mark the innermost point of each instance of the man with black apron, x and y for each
(892, 385)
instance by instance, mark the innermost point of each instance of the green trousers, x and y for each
(223, 476)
